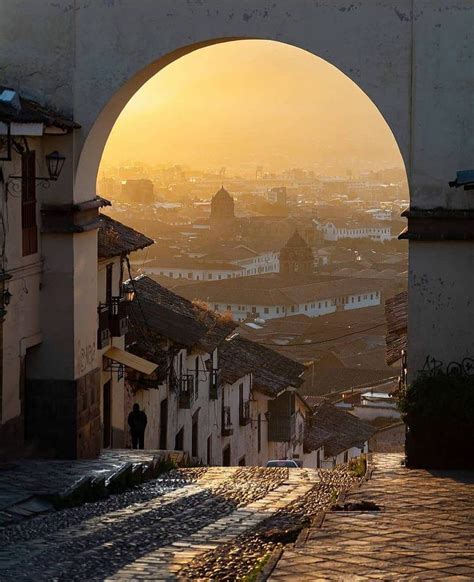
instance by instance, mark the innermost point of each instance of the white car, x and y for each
(290, 463)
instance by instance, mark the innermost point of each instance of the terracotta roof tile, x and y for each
(335, 429)
(115, 238)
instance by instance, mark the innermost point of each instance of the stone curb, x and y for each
(270, 565)
(318, 520)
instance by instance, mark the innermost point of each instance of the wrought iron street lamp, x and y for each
(55, 162)
(128, 292)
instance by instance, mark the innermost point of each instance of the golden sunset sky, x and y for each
(247, 103)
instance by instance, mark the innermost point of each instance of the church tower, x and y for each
(222, 213)
(296, 257)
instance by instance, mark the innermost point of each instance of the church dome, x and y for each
(222, 194)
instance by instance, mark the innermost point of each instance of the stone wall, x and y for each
(388, 440)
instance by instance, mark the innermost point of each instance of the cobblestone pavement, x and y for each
(239, 558)
(161, 522)
(23, 479)
(424, 531)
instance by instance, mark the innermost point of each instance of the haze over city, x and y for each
(247, 103)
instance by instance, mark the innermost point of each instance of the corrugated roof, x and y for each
(115, 238)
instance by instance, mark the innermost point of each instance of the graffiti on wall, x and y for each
(85, 357)
(432, 366)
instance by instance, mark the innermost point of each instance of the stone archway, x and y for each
(411, 57)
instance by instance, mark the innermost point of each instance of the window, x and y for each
(108, 284)
(190, 275)
(196, 377)
(346, 456)
(209, 450)
(278, 310)
(266, 310)
(306, 308)
(358, 299)
(254, 310)
(216, 307)
(325, 304)
(352, 299)
(209, 275)
(292, 309)
(229, 308)
(179, 440)
(319, 305)
(28, 203)
(371, 295)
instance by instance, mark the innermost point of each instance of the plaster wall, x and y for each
(441, 306)
(22, 326)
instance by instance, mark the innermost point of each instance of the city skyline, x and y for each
(247, 103)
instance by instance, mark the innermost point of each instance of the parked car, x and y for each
(290, 463)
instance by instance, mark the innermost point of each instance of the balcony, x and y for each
(214, 384)
(226, 428)
(103, 331)
(244, 412)
(118, 319)
(282, 429)
(186, 390)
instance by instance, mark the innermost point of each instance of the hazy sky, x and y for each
(247, 103)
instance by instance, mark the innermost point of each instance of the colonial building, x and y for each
(223, 263)
(273, 296)
(296, 257)
(342, 229)
(41, 412)
(221, 399)
(340, 435)
(30, 271)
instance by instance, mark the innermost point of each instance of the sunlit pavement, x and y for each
(143, 534)
(424, 531)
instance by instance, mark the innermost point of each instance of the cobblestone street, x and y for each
(154, 530)
(423, 531)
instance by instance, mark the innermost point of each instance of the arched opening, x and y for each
(268, 131)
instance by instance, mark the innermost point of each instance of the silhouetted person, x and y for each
(137, 422)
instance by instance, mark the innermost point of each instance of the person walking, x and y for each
(137, 421)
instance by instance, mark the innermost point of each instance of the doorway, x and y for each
(163, 424)
(107, 419)
(226, 456)
(195, 436)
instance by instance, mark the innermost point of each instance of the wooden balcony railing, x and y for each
(103, 331)
(214, 384)
(118, 317)
(186, 390)
(244, 412)
(226, 427)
